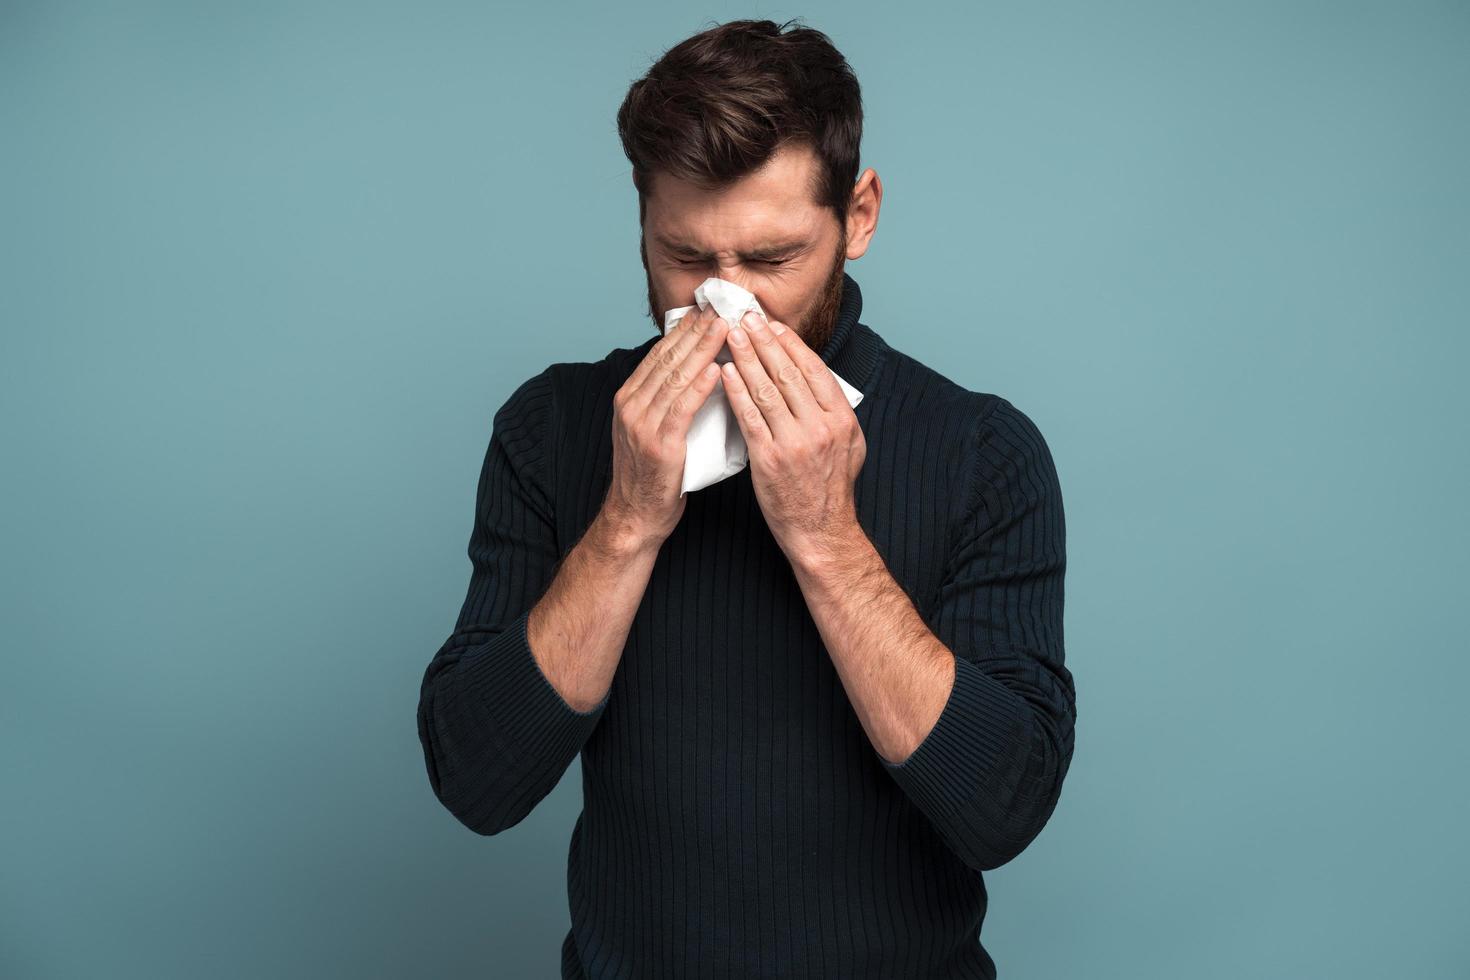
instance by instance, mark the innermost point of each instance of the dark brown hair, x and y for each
(717, 105)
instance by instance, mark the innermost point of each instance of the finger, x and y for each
(687, 332)
(824, 387)
(660, 347)
(748, 416)
(764, 393)
(678, 378)
(684, 404)
(800, 401)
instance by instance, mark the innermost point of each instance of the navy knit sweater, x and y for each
(736, 820)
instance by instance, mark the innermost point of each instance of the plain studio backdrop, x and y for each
(267, 272)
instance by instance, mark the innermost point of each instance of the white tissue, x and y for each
(716, 447)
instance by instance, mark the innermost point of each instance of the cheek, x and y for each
(785, 293)
(668, 276)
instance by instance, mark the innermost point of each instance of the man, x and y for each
(815, 700)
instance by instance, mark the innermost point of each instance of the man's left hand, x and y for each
(806, 447)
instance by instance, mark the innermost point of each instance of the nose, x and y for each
(736, 275)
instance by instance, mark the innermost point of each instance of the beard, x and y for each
(816, 327)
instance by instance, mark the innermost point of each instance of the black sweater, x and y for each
(736, 819)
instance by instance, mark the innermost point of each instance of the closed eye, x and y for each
(757, 261)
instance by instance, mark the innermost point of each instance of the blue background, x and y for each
(268, 272)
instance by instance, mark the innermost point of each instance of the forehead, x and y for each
(776, 201)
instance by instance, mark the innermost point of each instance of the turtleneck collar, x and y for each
(853, 350)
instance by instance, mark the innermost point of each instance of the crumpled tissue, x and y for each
(716, 447)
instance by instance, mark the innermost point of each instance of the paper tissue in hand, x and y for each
(716, 447)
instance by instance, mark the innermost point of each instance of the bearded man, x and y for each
(817, 699)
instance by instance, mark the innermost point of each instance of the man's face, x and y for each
(764, 232)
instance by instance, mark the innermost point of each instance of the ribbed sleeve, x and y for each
(989, 774)
(497, 737)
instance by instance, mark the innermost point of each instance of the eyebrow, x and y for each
(768, 251)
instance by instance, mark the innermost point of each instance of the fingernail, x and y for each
(777, 326)
(737, 336)
(752, 321)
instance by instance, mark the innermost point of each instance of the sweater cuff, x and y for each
(982, 728)
(531, 717)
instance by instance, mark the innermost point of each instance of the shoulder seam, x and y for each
(970, 496)
(537, 465)
(977, 434)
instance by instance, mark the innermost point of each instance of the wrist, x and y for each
(829, 560)
(619, 537)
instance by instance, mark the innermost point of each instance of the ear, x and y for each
(862, 212)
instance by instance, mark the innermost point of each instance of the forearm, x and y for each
(578, 629)
(896, 672)
(981, 756)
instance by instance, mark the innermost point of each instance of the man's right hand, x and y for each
(652, 413)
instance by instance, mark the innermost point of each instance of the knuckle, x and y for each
(789, 372)
(767, 391)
